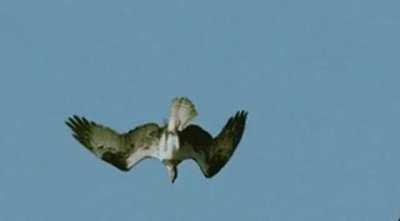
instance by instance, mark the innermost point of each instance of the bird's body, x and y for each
(168, 148)
(171, 144)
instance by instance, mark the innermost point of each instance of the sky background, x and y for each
(320, 80)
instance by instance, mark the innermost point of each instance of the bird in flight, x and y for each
(171, 143)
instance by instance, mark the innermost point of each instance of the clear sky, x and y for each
(320, 80)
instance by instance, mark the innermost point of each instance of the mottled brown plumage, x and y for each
(112, 147)
(171, 144)
(213, 153)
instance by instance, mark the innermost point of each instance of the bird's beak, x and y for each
(172, 173)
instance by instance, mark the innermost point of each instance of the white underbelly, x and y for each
(169, 146)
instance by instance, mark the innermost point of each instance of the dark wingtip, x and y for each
(243, 113)
(240, 116)
(80, 127)
(69, 124)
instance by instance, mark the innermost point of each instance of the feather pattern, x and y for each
(171, 144)
(212, 154)
(121, 150)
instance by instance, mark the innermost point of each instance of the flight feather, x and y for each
(171, 144)
(121, 150)
(210, 153)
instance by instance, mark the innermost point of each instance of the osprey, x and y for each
(171, 144)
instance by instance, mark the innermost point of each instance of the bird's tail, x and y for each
(182, 112)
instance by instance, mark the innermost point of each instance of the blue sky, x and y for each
(320, 80)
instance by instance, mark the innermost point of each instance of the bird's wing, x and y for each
(212, 154)
(121, 150)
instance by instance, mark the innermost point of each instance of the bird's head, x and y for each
(172, 171)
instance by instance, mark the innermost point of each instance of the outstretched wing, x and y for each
(212, 154)
(121, 150)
